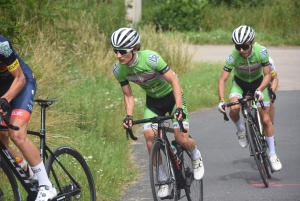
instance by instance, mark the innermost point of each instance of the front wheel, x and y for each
(256, 149)
(9, 190)
(70, 174)
(193, 187)
(162, 172)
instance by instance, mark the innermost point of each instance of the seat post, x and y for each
(43, 130)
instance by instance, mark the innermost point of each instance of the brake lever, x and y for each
(224, 114)
(181, 127)
(130, 133)
(9, 125)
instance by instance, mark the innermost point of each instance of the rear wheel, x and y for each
(9, 190)
(193, 188)
(161, 172)
(72, 178)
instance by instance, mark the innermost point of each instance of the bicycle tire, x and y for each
(267, 164)
(266, 160)
(9, 189)
(256, 153)
(157, 154)
(77, 167)
(193, 188)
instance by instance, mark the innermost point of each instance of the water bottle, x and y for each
(25, 167)
(176, 151)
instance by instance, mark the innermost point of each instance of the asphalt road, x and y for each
(230, 173)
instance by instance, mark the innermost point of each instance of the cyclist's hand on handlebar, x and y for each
(221, 107)
(4, 105)
(273, 95)
(179, 114)
(259, 96)
(127, 122)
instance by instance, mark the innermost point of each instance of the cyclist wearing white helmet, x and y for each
(163, 93)
(250, 64)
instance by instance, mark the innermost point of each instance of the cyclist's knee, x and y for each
(18, 138)
(266, 120)
(182, 139)
(149, 137)
(234, 112)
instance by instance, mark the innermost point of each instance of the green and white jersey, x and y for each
(147, 72)
(251, 68)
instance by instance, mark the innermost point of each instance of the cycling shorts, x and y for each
(22, 104)
(240, 88)
(162, 106)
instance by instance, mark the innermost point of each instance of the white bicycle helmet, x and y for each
(243, 34)
(125, 38)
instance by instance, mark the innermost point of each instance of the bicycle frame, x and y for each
(17, 170)
(162, 137)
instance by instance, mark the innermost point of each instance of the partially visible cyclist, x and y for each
(250, 64)
(163, 93)
(272, 86)
(17, 89)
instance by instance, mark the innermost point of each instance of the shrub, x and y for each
(180, 15)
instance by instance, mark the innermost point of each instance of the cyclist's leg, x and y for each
(269, 131)
(22, 106)
(4, 134)
(272, 112)
(265, 115)
(237, 92)
(150, 130)
(184, 140)
(5, 140)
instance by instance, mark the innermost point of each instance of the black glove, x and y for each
(272, 94)
(127, 119)
(4, 105)
(179, 111)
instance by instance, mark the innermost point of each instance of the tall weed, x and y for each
(280, 19)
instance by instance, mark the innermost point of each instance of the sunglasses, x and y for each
(243, 46)
(122, 52)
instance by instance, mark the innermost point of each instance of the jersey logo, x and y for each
(263, 52)
(153, 59)
(5, 49)
(116, 70)
(230, 59)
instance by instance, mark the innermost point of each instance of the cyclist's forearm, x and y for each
(221, 90)
(222, 84)
(274, 82)
(129, 104)
(177, 94)
(264, 82)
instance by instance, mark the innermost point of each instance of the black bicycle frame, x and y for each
(161, 132)
(18, 172)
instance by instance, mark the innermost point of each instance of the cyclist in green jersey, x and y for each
(163, 93)
(250, 64)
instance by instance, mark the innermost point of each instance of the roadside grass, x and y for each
(219, 37)
(89, 111)
(200, 86)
